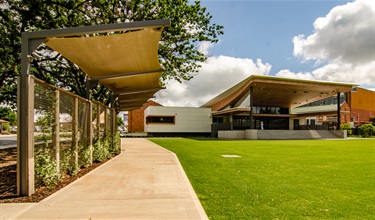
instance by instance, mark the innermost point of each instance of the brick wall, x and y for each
(363, 99)
(136, 117)
(362, 103)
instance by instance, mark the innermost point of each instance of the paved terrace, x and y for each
(144, 182)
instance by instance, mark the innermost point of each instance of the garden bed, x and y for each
(8, 179)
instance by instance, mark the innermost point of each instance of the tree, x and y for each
(8, 115)
(120, 122)
(178, 50)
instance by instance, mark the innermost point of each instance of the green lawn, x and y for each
(298, 179)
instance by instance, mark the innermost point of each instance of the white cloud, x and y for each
(342, 46)
(364, 75)
(204, 47)
(216, 75)
(343, 41)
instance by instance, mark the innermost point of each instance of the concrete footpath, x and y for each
(144, 182)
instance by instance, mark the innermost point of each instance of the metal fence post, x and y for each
(113, 125)
(89, 130)
(75, 130)
(98, 120)
(114, 122)
(56, 134)
(105, 121)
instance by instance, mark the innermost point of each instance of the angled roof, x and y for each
(269, 91)
(127, 62)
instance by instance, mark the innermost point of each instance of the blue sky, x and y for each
(315, 40)
(265, 29)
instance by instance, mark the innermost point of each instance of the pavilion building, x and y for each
(265, 107)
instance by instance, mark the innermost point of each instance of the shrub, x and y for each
(367, 130)
(45, 167)
(116, 147)
(67, 161)
(101, 150)
(114, 144)
(84, 156)
(47, 130)
(347, 127)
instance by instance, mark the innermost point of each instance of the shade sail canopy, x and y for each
(126, 63)
(277, 92)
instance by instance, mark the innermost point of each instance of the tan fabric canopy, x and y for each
(125, 63)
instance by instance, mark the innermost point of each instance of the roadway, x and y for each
(8, 141)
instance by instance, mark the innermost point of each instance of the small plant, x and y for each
(101, 150)
(42, 137)
(84, 156)
(116, 146)
(67, 161)
(45, 167)
(367, 130)
(106, 147)
(347, 127)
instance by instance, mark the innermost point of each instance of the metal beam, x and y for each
(139, 91)
(77, 31)
(131, 104)
(145, 95)
(133, 100)
(128, 108)
(113, 100)
(90, 84)
(123, 75)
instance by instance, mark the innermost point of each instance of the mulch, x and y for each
(8, 180)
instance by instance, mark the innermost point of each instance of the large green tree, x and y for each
(8, 115)
(178, 48)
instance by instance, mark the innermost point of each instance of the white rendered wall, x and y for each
(187, 119)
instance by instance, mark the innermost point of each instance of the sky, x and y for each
(331, 40)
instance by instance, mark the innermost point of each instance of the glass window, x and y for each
(160, 119)
(218, 120)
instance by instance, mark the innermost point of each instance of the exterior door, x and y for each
(295, 124)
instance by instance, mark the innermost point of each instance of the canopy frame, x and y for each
(30, 42)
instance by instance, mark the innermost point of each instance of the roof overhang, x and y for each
(318, 110)
(234, 111)
(271, 91)
(123, 57)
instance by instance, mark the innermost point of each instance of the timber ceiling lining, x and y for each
(283, 92)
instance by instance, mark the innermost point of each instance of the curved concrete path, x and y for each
(144, 182)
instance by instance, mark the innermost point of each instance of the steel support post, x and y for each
(338, 111)
(251, 108)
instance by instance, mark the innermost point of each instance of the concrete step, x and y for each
(295, 134)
